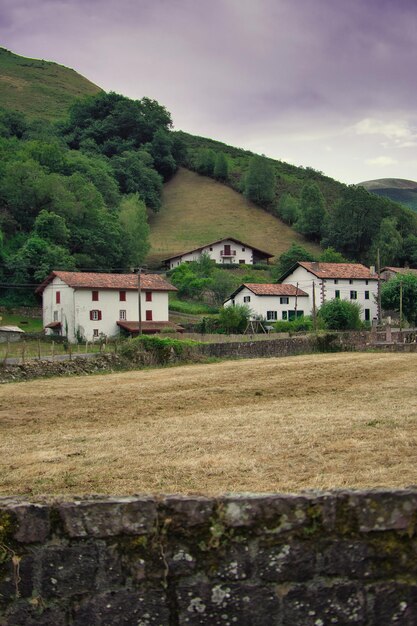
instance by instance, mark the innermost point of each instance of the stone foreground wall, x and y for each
(314, 559)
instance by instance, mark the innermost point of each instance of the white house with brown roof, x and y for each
(270, 301)
(349, 281)
(90, 305)
(223, 251)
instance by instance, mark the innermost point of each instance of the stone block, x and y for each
(227, 604)
(293, 561)
(26, 613)
(110, 517)
(16, 579)
(147, 607)
(32, 521)
(393, 604)
(67, 571)
(181, 512)
(323, 605)
(381, 510)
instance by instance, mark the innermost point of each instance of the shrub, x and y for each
(340, 315)
(293, 326)
(234, 319)
(160, 349)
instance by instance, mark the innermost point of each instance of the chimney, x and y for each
(315, 265)
(372, 269)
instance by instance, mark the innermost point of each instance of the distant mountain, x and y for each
(397, 189)
(39, 88)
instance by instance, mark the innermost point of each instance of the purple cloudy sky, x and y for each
(329, 84)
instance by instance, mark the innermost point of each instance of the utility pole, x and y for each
(314, 307)
(378, 269)
(140, 300)
(401, 305)
(296, 300)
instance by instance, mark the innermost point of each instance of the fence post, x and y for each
(53, 349)
(39, 349)
(23, 351)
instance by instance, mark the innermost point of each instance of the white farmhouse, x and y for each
(224, 251)
(90, 305)
(348, 281)
(270, 301)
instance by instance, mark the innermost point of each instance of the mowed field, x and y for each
(197, 210)
(342, 420)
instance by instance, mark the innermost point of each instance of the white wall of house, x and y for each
(76, 304)
(270, 308)
(326, 289)
(238, 254)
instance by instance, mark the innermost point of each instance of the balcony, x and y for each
(227, 253)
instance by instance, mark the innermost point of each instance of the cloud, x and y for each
(392, 129)
(381, 160)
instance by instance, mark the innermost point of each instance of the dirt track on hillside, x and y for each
(342, 420)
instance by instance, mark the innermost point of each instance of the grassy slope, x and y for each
(396, 189)
(39, 88)
(197, 210)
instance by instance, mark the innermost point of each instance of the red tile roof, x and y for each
(269, 289)
(89, 280)
(338, 270)
(212, 243)
(149, 327)
(273, 289)
(400, 270)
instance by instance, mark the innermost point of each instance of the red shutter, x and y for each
(91, 315)
(58, 297)
(149, 316)
(94, 295)
(99, 315)
(122, 296)
(149, 296)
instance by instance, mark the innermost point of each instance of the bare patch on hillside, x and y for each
(324, 421)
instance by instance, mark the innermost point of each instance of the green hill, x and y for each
(396, 189)
(196, 210)
(39, 88)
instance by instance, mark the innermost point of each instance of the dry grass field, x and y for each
(339, 420)
(197, 210)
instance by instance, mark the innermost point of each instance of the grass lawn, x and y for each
(28, 324)
(322, 421)
(197, 210)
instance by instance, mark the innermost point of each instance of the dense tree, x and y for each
(287, 259)
(135, 229)
(51, 227)
(389, 243)
(234, 319)
(311, 212)
(330, 255)
(135, 176)
(351, 225)
(340, 314)
(409, 253)
(260, 181)
(288, 208)
(405, 284)
(161, 151)
(37, 258)
(221, 168)
(206, 160)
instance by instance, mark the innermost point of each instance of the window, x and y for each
(350, 281)
(148, 297)
(243, 249)
(337, 293)
(58, 297)
(246, 298)
(366, 295)
(95, 315)
(353, 295)
(149, 316)
(122, 296)
(366, 282)
(94, 296)
(271, 316)
(95, 332)
(284, 315)
(284, 300)
(242, 261)
(367, 315)
(55, 316)
(336, 280)
(211, 249)
(122, 314)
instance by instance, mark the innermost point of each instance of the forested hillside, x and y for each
(347, 218)
(397, 189)
(75, 195)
